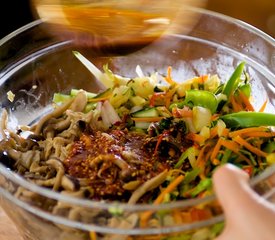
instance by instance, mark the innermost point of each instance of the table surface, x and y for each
(7, 229)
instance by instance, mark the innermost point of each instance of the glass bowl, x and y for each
(35, 64)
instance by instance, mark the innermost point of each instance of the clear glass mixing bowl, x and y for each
(34, 65)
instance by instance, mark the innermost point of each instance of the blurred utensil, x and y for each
(105, 23)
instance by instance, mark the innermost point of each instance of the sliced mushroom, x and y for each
(148, 186)
(69, 183)
(80, 102)
(58, 166)
(56, 113)
(24, 158)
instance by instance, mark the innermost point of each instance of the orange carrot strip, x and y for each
(225, 132)
(158, 143)
(201, 161)
(262, 108)
(234, 147)
(259, 134)
(247, 130)
(169, 96)
(168, 78)
(216, 150)
(250, 147)
(246, 102)
(215, 117)
(207, 156)
(145, 216)
(169, 189)
(202, 79)
(195, 137)
(236, 106)
(214, 132)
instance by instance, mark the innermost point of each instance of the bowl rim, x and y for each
(16, 178)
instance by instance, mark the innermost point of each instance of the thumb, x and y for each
(231, 186)
(234, 192)
(243, 208)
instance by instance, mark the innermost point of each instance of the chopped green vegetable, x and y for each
(201, 98)
(233, 81)
(248, 119)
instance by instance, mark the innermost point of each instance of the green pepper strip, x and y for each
(248, 119)
(246, 89)
(233, 81)
(202, 186)
(200, 98)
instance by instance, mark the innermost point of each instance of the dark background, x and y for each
(259, 13)
(14, 14)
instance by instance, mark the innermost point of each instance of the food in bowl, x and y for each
(144, 140)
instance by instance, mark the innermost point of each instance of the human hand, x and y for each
(247, 215)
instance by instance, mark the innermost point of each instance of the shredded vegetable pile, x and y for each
(149, 139)
(189, 128)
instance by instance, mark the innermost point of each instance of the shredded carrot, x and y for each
(234, 147)
(262, 108)
(169, 96)
(235, 105)
(201, 161)
(246, 102)
(215, 117)
(231, 145)
(216, 161)
(169, 189)
(146, 215)
(247, 130)
(195, 137)
(259, 134)
(202, 79)
(250, 147)
(160, 138)
(216, 149)
(225, 132)
(147, 119)
(208, 154)
(168, 78)
(214, 132)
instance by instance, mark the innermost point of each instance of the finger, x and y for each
(232, 188)
(244, 209)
